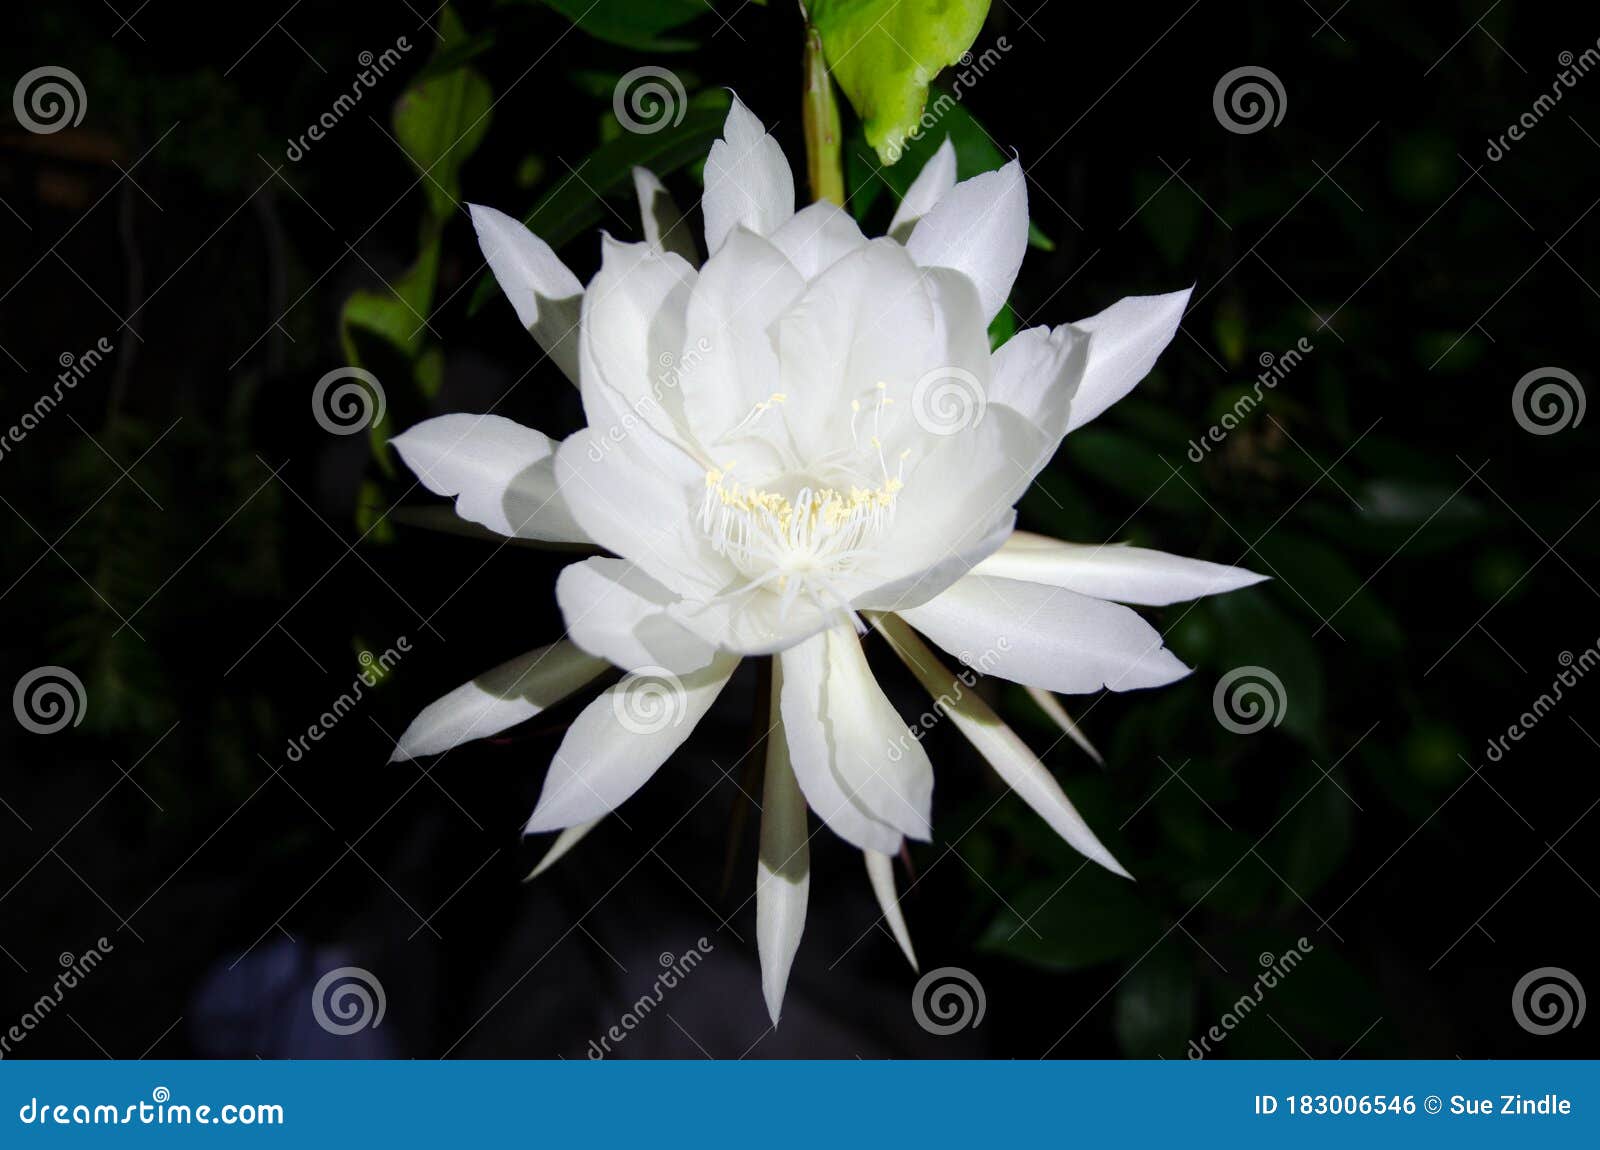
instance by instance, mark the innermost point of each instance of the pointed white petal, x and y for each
(664, 229)
(545, 293)
(1128, 336)
(937, 177)
(1038, 372)
(880, 872)
(565, 841)
(502, 474)
(620, 739)
(1113, 571)
(783, 871)
(979, 228)
(1052, 707)
(817, 238)
(878, 761)
(1010, 757)
(632, 338)
(497, 699)
(1046, 636)
(802, 670)
(748, 180)
(729, 363)
(614, 610)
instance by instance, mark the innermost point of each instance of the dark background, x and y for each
(1434, 560)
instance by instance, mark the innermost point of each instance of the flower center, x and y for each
(799, 532)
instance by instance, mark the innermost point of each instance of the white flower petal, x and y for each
(616, 611)
(748, 180)
(1038, 372)
(1128, 336)
(730, 363)
(619, 740)
(783, 870)
(502, 474)
(876, 760)
(497, 699)
(1046, 636)
(979, 228)
(1010, 757)
(937, 177)
(1113, 571)
(880, 873)
(802, 674)
(664, 229)
(638, 511)
(545, 293)
(565, 841)
(817, 237)
(632, 338)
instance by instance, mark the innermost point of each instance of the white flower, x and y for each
(806, 436)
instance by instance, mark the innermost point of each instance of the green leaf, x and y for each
(575, 204)
(976, 153)
(440, 120)
(634, 24)
(884, 53)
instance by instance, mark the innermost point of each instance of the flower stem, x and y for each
(820, 114)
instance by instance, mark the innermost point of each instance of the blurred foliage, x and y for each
(230, 577)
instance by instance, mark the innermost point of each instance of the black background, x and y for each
(1425, 878)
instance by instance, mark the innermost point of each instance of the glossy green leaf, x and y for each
(976, 152)
(883, 53)
(440, 120)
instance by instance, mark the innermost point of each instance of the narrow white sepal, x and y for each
(783, 869)
(1010, 757)
(565, 841)
(880, 872)
(1052, 707)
